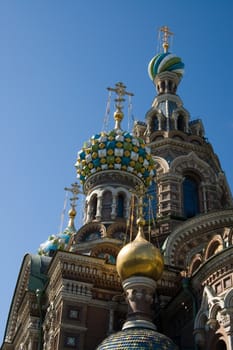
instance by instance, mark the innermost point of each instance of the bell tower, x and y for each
(189, 178)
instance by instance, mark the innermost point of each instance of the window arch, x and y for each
(190, 196)
(195, 265)
(214, 247)
(93, 207)
(181, 123)
(155, 124)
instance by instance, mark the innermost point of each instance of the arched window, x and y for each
(190, 197)
(213, 248)
(93, 207)
(120, 205)
(154, 123)
(180, 123)
(195, 265)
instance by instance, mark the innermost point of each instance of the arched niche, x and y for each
(214, 246)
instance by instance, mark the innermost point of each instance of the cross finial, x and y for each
(166, 34)
(75, 190)
(120, 90)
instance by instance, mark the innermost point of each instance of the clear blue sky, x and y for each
(56, 59)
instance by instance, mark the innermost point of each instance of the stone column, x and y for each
(99, 207)
(114, 204)
(140, 295)
(88, 212)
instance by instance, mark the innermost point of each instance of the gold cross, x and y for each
(120, 91)
(75, 190)
(166, 34)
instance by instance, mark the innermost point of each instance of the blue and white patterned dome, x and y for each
(116, 150)
(137, 338)
(61, 240)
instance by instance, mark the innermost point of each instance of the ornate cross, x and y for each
(120, 92)
(75, 190)
(166, 34)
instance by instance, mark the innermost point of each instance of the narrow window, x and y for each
(190, 197)
(180, 123)
(93, 207)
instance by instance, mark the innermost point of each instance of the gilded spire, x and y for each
(120, 90)
(166, 33)
(140, 221)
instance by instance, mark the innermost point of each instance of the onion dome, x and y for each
(137, 338)
(60, 241)
(165, 62)
(115, 150)
(139, 258)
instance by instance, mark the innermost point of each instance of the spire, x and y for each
(166, 33)
(75, 190)
(141, 191)
(120, 90)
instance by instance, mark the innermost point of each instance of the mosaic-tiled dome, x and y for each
(115, 150)
(137, 338)
(165, 62)
(59, 241)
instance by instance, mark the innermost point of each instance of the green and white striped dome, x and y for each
(165, 62)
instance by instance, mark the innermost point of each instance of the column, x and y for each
(99, 207)
(114, 205)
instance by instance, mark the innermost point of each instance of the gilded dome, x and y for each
(137, 338)
(165, 62)
(139, 258)
(115, 150)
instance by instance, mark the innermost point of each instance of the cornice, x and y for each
(192, 228)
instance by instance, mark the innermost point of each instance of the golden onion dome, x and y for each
(140, 258)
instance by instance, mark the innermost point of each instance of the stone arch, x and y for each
(196, 140)
(121, 201)
(193, 163)
(181, 119)
(214, 246)
(155, 120)
(97, 230)
(161, 165)
(177, 243)
(200, 177)
(195, 263)
(177, 135)
(214, 309)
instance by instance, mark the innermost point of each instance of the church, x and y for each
(151, 266)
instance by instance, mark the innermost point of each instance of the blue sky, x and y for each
(56, 59)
